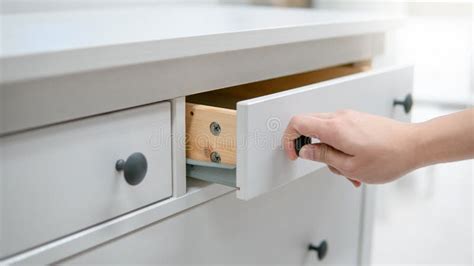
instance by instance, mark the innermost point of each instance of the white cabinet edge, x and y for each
(178, 149)
(90, 53)
(324, 84)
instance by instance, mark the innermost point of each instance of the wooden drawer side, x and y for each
(201, 142)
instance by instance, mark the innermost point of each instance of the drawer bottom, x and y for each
(212, 172)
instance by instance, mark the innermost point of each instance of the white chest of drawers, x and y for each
(70, 108)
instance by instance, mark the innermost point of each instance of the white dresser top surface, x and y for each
(41, 44)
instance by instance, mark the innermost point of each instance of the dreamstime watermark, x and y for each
(267, 138)
(273, 124)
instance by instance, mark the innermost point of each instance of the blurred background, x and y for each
(426, 217)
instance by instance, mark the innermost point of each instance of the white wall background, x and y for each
(19, 6)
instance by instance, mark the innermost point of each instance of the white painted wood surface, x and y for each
(274, 229)
(369, 203)
(61, 179)
(38, 45)
(178, 136)
(198, 192)
(63, 98)
(262, 164)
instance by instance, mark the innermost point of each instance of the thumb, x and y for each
(324, 153)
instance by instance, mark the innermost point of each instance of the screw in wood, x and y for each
(215, 157)
(215, 128)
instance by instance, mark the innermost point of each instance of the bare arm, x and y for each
(373, 149)
(446, 138)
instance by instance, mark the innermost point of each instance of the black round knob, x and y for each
(321, 250)
(407, 103)
(300, 142)
(134, 168)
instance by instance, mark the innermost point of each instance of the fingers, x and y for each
(326, 154)
(322, 115)
(334, 170)
(314, 125)
(356, 183)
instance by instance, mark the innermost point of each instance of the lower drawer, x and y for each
(275, 229)
(63, 178)
(234, 134)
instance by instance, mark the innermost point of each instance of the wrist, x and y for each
(421, 145)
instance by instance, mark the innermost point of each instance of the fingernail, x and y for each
(305, 153)
(356, 183)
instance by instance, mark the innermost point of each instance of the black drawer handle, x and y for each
(300, 142)
(407, 103)
(320, 250)
(134, 168)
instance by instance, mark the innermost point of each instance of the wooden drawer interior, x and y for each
(211, 117)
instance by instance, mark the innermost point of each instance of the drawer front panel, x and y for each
(274, 229)
(60, 179)
(261, 164)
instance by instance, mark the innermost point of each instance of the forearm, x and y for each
(445, 139)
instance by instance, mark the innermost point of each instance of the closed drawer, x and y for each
(60, 179)
(274, 229)
(234, 138)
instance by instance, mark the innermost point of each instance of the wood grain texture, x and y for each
(200, 142)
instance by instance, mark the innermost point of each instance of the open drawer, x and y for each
(234, 134)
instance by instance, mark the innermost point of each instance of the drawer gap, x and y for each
(228, 97)
(212, 172)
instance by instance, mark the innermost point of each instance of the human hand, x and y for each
(362, 147)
